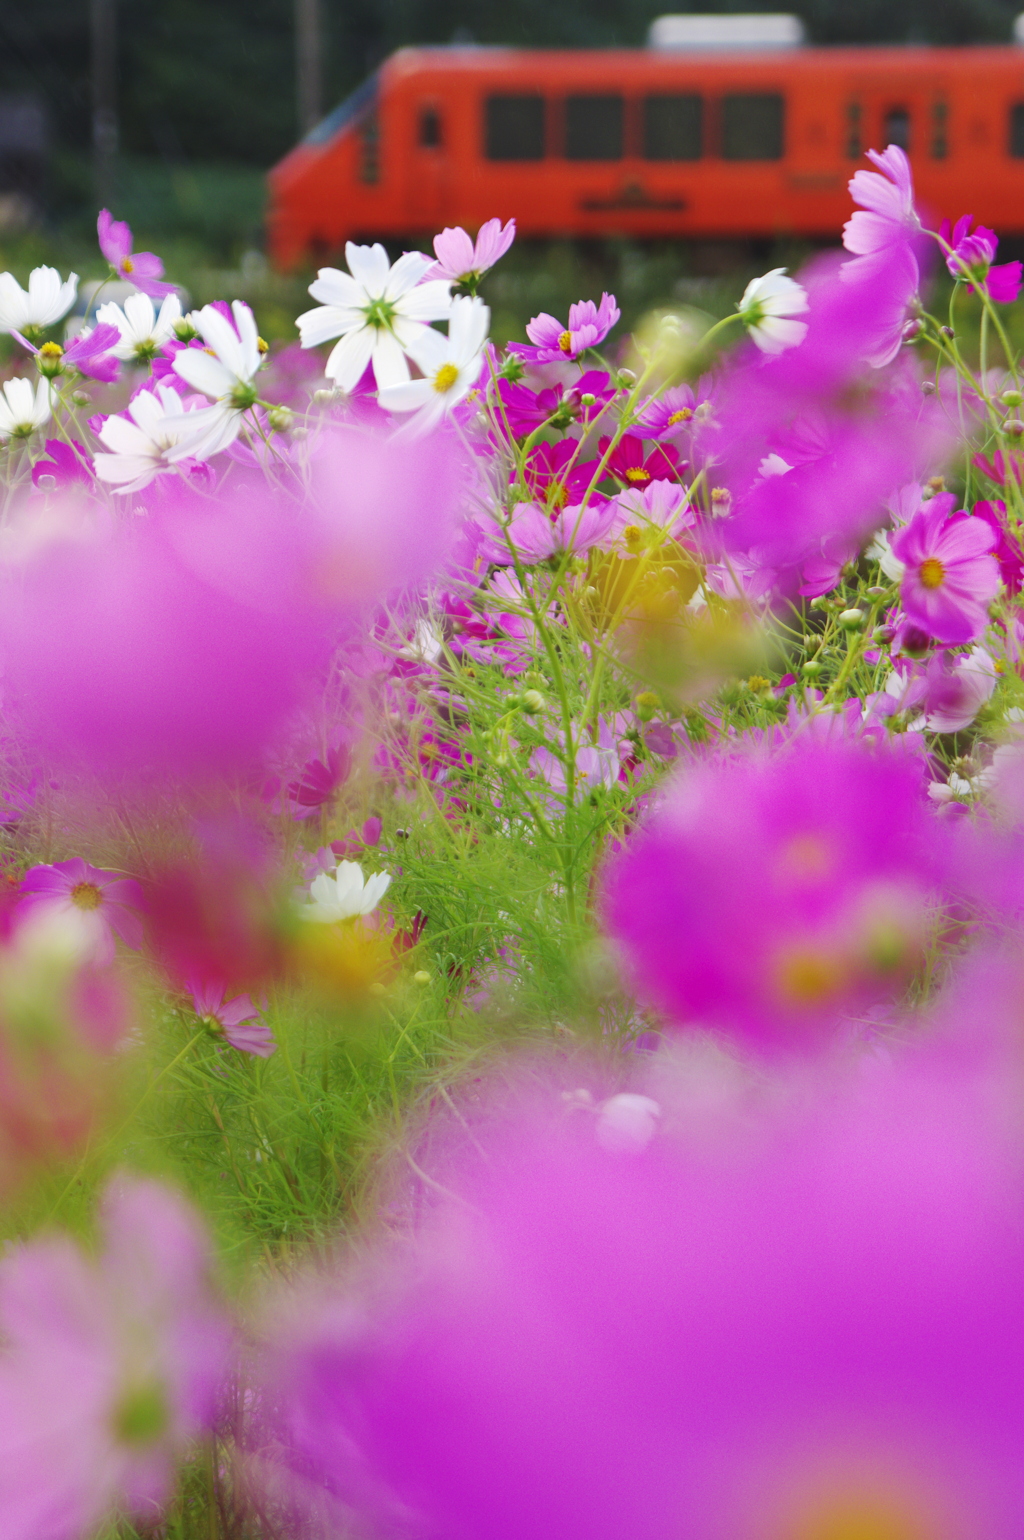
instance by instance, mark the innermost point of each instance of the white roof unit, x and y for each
(746, 31)
(1018, 29)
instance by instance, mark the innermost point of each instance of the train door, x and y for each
(428, 164)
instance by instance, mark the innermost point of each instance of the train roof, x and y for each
(486, 58)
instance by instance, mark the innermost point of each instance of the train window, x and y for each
(752, 127)
(430, 128)
(940, 124)
(854, 146)
(514, 128)
(369, 149)
(673, 127)
(594, 127)
(896, 129)
(1017, 130)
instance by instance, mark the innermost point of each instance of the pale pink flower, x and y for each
(887, 216)
(460, 261)
(950, 575)
(111, 1367)
(238, 1021)
(107, 903)
(589, 324)
(141, 268)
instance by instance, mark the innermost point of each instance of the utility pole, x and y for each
(103, 16)
(308, 54)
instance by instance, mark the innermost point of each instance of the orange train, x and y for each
(649, 144)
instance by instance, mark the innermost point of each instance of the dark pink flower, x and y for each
(970, 256)
(771, 895)
(111, 1367)
(108, 902)
(951, 576)
(141, 268)
(90, 353)
(628, 465)
(65, 465)
(525, 409)
(1007, 549)
(589, 325)
(238, 1021)
(318, 785)
(555, 474)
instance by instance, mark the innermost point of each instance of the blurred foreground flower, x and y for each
(109, 1367)
(766, 309)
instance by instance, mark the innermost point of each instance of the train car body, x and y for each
(650, 144)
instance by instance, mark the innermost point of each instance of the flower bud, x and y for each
(280, 418)
(627, 377)
(1013, 428)
(947, 331)
(1011, 398)
(928, 387)
(531, 702)
(851, 620)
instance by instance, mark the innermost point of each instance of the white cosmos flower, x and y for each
(451, 366)
(344, 894)
(380, 313)
(765, 306)
(224, 370)
(23, 408)
(143, 331)
(142, 440)
(46, 301)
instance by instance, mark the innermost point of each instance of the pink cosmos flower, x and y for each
(589, 324)
(675, 411)
(1007, 549)
(318, 785)
(744, 1324)
(971, 255)
(524, 409)
(887, 216)
(955, 689)
(555, 472)
(108, 902)
(662, 504)
(771, 895)
(65, 465)
(110, 1367)
(238, 1021)
(141, 268)
(537, 533)
(951, 576)
(460, 261)
(628, 465)
(89, 353)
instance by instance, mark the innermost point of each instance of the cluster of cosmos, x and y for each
(734, 635)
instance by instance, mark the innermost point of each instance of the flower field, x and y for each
(511, 904)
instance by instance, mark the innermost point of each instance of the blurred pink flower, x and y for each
(110, 1369)
(887, 216)
(589, 325)
(141, 268)
(772, 895)
(238, 1021)
(955, 689)
(108, 902)
(738, 1324)
(1007, 549)
(951, 576)
(460, 261)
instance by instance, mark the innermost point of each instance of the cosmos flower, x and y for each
(524, 409)
(142, 330)
(110, 902)
(146, 438)
(887, 216)
(47, 300)
(66, 464)
(111, 1366)
(224, 370)
(344, 894)
(451, 367)
(320, 781)
(555, 473)
(970, 256)
(537, 533)
(460, 261)
(22, 409)
(142, 268)
(955, 689)
(766, 308)
(379, 311)
(628, 464)
(676, 410)
(92, 352)
(770, 895)
(950, 574)
(589, 325)
(237, 1021)
(661, 504)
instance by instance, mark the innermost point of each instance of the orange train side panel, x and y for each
(408, 153)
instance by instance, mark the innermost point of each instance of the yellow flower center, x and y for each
(261, 346)
(127, 266)
(445, 378)
(86, 895)
(683, 415)
(806, 977)
(637, 473)
(51, 350)
(565, 342)
(932, 573)
(861, 1518)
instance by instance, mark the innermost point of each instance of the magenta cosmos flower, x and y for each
(970, 256)
(109, 902)
(588, 325)
(804, 1325)
(110, 1367)
(142, 268)
(951, 575)
(770, 895)
(238, 1021)
(462, 261)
